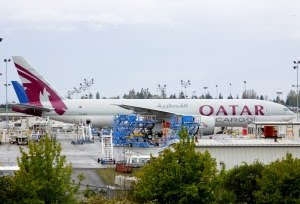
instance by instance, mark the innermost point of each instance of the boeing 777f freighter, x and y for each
(44, 100)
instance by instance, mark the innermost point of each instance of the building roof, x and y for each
(248, 142)
(9, 168)
(276, 123)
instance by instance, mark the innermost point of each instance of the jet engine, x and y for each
(208, 124)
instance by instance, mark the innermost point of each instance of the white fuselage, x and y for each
(226, 112)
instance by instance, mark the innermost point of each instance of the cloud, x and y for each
(66, 14)
(193, 34)
(94, 13)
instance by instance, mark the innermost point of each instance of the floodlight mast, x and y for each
(6, 85)
(162, 90)
(185, 85)
(245, 96)
(205, 88)
(230, 96)
(296, 66)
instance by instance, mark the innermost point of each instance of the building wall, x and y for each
(233, 155)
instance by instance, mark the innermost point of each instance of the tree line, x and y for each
(144, 93)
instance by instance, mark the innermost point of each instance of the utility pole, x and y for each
(296, 63)
(245, 96)
(6, 84)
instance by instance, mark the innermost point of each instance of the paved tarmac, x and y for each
(84, 158)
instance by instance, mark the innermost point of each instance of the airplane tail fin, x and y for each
(38, 90)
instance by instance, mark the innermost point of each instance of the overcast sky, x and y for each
(129, 44)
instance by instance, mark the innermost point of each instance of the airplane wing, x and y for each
(160, 115)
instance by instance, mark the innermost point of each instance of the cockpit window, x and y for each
(286, 109)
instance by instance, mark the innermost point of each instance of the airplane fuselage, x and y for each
(43, 100)
(226, 112)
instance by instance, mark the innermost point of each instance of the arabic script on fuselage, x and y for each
(170, 105)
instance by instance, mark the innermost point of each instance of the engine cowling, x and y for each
(208, 123)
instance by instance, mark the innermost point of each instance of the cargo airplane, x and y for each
(43, 100)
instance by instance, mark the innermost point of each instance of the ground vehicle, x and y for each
(137, 160)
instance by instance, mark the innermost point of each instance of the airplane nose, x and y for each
(291, 112)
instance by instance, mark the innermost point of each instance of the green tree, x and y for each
(291, 99)
(181, 95)
(173, 96)
(44, 175)
(208, 96)
(102, 199)
(181, 175)
(261, 97)
(6, 192)
(222, 195)
(241, 182)
(249, 94)
(97, 95)
(280, 182)
(230, 97)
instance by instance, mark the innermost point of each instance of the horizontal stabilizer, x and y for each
(27, 106)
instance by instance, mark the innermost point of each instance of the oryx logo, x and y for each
(40, 93)
(204, 125)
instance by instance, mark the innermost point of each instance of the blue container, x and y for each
(187, 119)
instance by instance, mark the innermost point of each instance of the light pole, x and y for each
(6, 84)
(83, 88)
(245, 82)
(216, 91)
(194, 95)
(69, 94)
(278, 94)
(296, 66)
(205, 87)
(77, 91)
(88, 84)
(294, 86)
(230, 96)
(162, 89)
(185, 84)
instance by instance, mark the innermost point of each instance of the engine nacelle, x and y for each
(208, 123)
